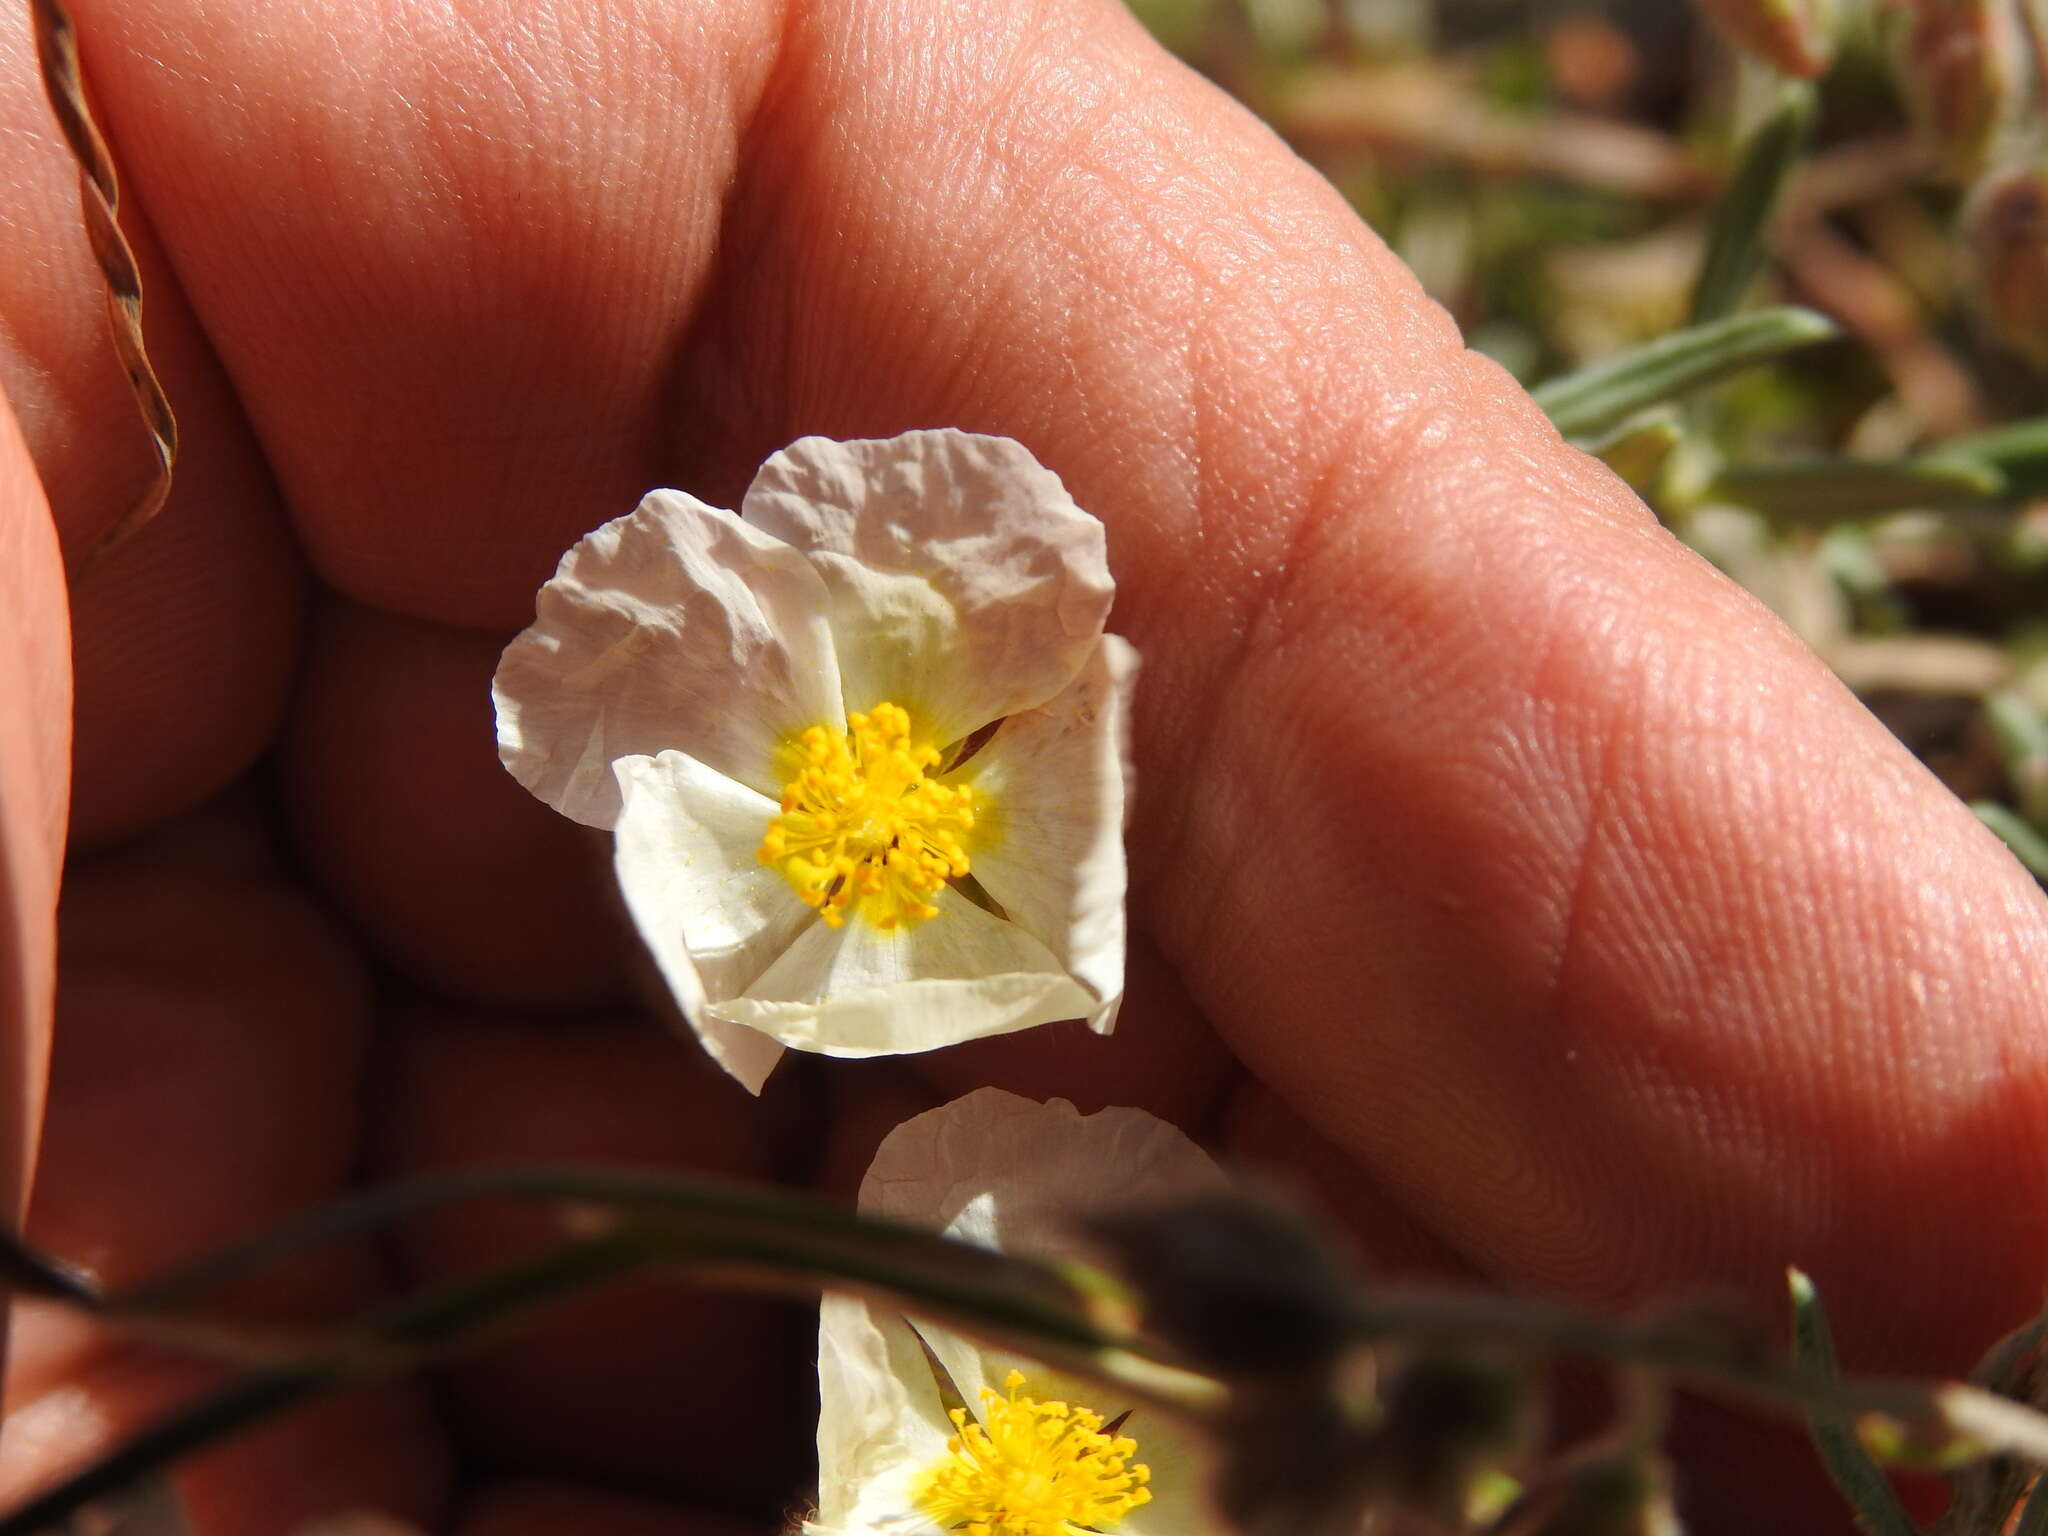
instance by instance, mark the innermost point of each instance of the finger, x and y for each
(516, 294)
(1163, 1058)
(34, 717)
(864, 1101)
(211, 1028)
(1533, 861)
(1268, 1139)
(663, 1387)
(526, 1507)
(1493, 829)
(183, 636)
(460, 879)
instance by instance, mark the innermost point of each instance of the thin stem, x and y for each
(1699, 1357)
(387, 1341)
(725, 1218)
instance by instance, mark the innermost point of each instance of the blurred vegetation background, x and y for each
(1578, 180)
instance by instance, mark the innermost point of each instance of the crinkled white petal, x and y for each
(713, 916)
(676, 626)
(857, 991)
(1010, 1173)
(881, 1420)
(1049, 842)
(1006, 1172)
(965, 584)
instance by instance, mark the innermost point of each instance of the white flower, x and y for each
(784, 716)
(1010, 1173)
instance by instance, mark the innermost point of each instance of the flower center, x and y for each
(863, 826)
(1034, 1469)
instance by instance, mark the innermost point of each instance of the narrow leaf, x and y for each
(1602, 395)
(1855, 1474)
(1826, 490)
(2027, 845)
(792, 1233)
(1741, 221)
(439, 1316)
(2021, 731)
(24, 1271)
(2018, 450)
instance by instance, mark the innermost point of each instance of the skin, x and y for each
(1499, 869)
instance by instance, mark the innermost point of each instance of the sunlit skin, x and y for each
(1577, 929)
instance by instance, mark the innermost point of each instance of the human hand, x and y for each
(1555, 912)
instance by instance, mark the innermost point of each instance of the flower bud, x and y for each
(1962, 69)
(1625, 1495)
(1449, 1419)
(2005, 230)
(1239, 1283)
(1798, 36)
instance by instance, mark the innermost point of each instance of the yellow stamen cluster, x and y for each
(1033, 1469)
(864, 826)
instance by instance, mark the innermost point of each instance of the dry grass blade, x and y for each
(1434, 114)
(57, 54)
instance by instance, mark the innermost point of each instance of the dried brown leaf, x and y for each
(100, 195)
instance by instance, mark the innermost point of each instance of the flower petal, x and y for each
(966, 585)
(1013, 1174)
(880, 1417)
(676, 626)
(856, 991)
(712, 915)
(1007, 1172)
(1049, 844)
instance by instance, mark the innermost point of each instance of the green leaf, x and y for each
(1855, 1474)
(1638, 448)
(1826, 490)
(2021, 731)
(1602, 395)
(2027, 845)
(2018, 450)
(1742, 217)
